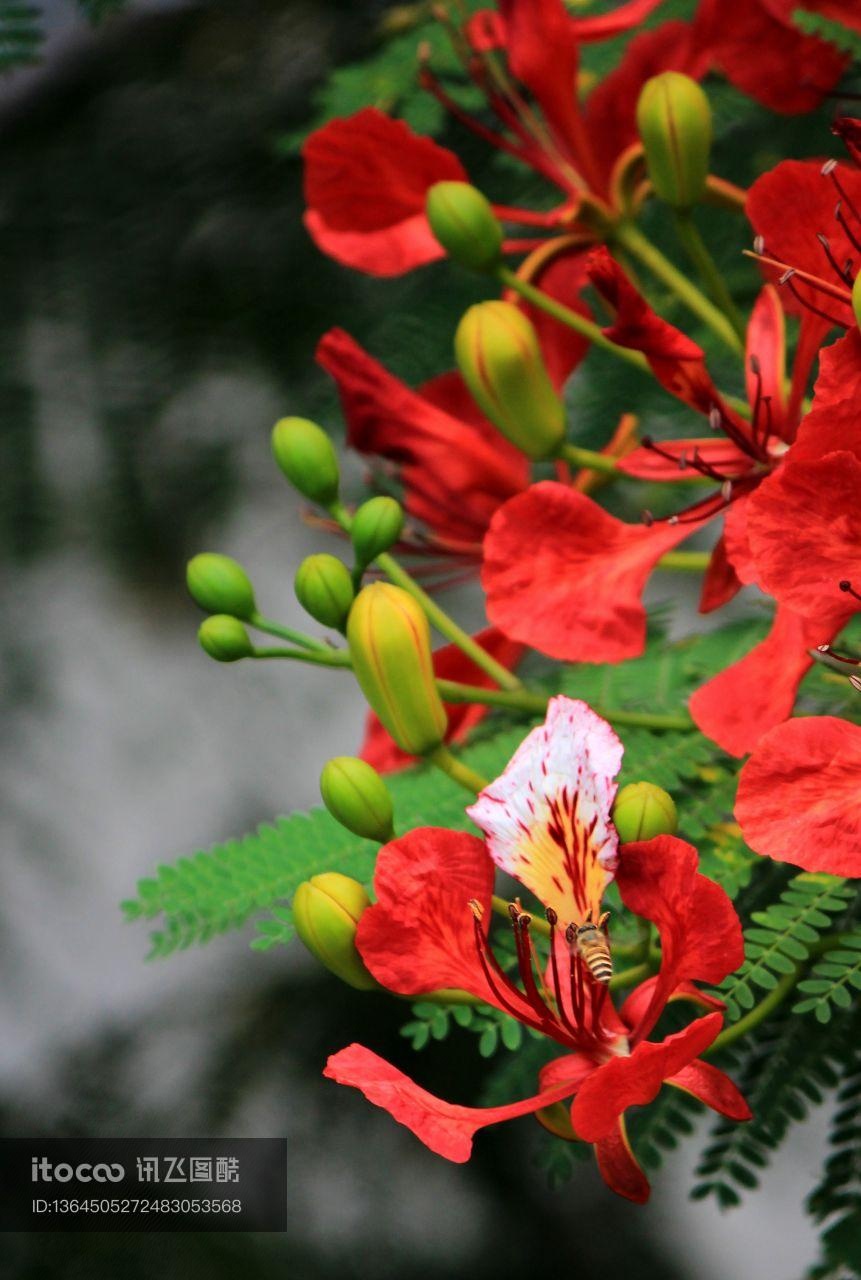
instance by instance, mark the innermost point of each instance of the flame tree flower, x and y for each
(547, 822)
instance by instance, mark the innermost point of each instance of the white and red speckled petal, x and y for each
(547, 817)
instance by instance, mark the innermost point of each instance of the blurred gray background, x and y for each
(160, 305)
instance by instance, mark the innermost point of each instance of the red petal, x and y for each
(799, 798)
(802, 560)
(564, 576)
(454, 477)
(677, 362)
(721, 582)
(766, 344)
(763, 54)
(839, 375)
(419, 935)
(789, 206)
(366, 180)
(714, 1088)
(449, 663)
(849, 132)
(605, 26)
(636, 1004)
(444, 1127)
(619, 1168)
(737, 706)
(700, 932)
(636, 1079)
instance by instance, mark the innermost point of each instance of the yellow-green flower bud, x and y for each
(465, 225)
(376, 526)
(856, 299)
(307, 457)
(356, 796)
(499, 355)
(220, 585)
(224, 638)
(642, 811)
(390, 647)
(675, 124)
(324, 588)
(326, 912)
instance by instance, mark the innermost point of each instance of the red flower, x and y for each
(449, 663)
(799, 795)
(756, 45)
(367, 177)
(547, 820)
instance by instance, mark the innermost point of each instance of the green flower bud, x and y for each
(642, 811)
(499, 355)
(220, 585)
(856, 299)
(326, 911)
(390, 647)
(356, 796)
(307, 457)
(465, 225)
(675, 123)
(324, 588)
(377, 525)
(224, 638)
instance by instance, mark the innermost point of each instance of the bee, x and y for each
(593, 946)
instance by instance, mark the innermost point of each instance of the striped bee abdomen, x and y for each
(594, 948)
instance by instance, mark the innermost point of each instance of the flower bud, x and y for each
(220, 585)
(642, 811)
(390, 646)
(377, 525)
(324, 588)
(856, 299)
(465, 225)
(499, 355)
(307, 457)
(224, 638)
(675, 123)
(356, 796)
(326, 912)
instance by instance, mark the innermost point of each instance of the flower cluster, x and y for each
(767, 477)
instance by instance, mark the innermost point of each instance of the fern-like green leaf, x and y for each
(833, 980)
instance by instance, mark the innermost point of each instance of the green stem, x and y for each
(588, 458)
(696, 249)
(536, 703)
(285, 633)
(457, 770)
(757, 1014)
(435, 615)
(572, 319)
(632, 239)
(629, 977)
(685, 561)
(331, 658)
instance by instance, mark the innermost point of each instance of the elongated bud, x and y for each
(326, 912)
(499, 355)
(220, 585)
(675, 123)
(324, 589)
(307, 457)
(642, 811)
(377, 525)
(465, 225)
(224, 638)
(856, 299)
(356, 796)
(390, 646)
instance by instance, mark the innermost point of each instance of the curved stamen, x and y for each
(846, 586)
